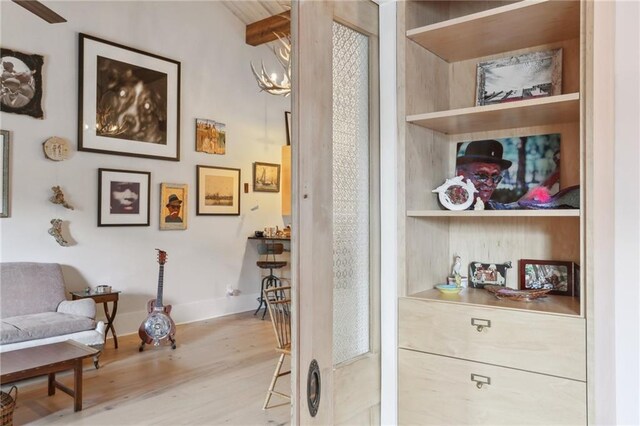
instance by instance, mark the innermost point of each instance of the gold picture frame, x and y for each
(174, 202)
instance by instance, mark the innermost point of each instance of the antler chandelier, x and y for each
(269, 82)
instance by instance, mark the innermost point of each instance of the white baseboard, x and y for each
(129, 322)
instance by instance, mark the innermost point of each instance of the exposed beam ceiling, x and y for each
(41, 11)
(250, 11)
(266, 29)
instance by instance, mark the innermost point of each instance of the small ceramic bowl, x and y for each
(449, 289)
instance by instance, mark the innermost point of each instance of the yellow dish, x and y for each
(449, 289)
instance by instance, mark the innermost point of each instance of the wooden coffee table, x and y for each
(48, 359)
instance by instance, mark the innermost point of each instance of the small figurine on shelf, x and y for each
(457, 278)
(479, 205)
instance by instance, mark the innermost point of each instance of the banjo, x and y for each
(158, 325)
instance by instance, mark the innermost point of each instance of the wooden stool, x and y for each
(269, 250)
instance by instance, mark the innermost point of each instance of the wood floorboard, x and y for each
(218, 375)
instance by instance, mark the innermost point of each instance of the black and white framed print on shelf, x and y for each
(129, 101)
(21, 83)
(4, 168)
(123, 197)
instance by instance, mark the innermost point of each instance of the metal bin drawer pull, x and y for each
(480, 324)
(480, 380)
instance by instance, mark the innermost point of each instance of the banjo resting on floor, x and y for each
(158, 325)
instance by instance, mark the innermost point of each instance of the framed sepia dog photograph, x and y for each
(516, 78)
(218, 191)
(21, 83)
(266, 177)
(123, 197)
(129, 101)
(173, 206)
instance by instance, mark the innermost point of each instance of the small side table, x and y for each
(103, 298)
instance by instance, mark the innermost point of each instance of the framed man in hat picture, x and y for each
(174, 205)
(173, 211)
(482, 164)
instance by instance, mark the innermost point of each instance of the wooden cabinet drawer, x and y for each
(438, 390)
(537, 342)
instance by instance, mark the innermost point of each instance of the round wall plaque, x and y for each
(56, 149)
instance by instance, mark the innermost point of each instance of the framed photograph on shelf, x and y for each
(266, 177)
(481, 274)
(287, 122)
(5, 141)
(129, 101)
(123, 197)
(218, 191)
(516, 78)
(173, 206)
(548, 274)
(211, 137)
(21, 84)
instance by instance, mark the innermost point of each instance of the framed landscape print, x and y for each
(516, 78)
(4, 166)
(218, 191)
(266, 177)
(21, 84)
(123, 197)
(129, 101)
(173, 206)
(210, 137)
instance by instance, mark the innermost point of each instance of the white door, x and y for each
(335, 197)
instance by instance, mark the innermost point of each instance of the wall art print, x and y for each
(218, 190)
(211, 137)
(123, 197)
(173, 206)
(129, 101)
(21, 83)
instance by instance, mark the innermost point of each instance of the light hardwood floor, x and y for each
(219, 374)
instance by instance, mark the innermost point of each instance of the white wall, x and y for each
(216, 84)
(627, 216)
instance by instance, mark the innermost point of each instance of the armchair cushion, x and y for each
(82, 307)
(42, 325)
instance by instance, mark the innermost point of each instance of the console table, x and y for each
(103, 298)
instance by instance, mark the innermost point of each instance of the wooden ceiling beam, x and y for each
(265, 30)
(41, 11)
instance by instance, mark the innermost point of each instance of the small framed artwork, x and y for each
(287, 122)
(21, 84)
(266, 177)
(4, 185)
(123, 197)
(173, 206)
(129, 101)
(548, 274)
(516, 78)
(481, 274)
(210, 137)
(218, 191)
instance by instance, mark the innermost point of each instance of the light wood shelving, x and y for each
(445, 41)
(495, 213)
(528, 113)
(557, 305)
(516, 26)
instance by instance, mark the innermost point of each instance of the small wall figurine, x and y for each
(58, 197)
(56, 232)
(479, 205)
